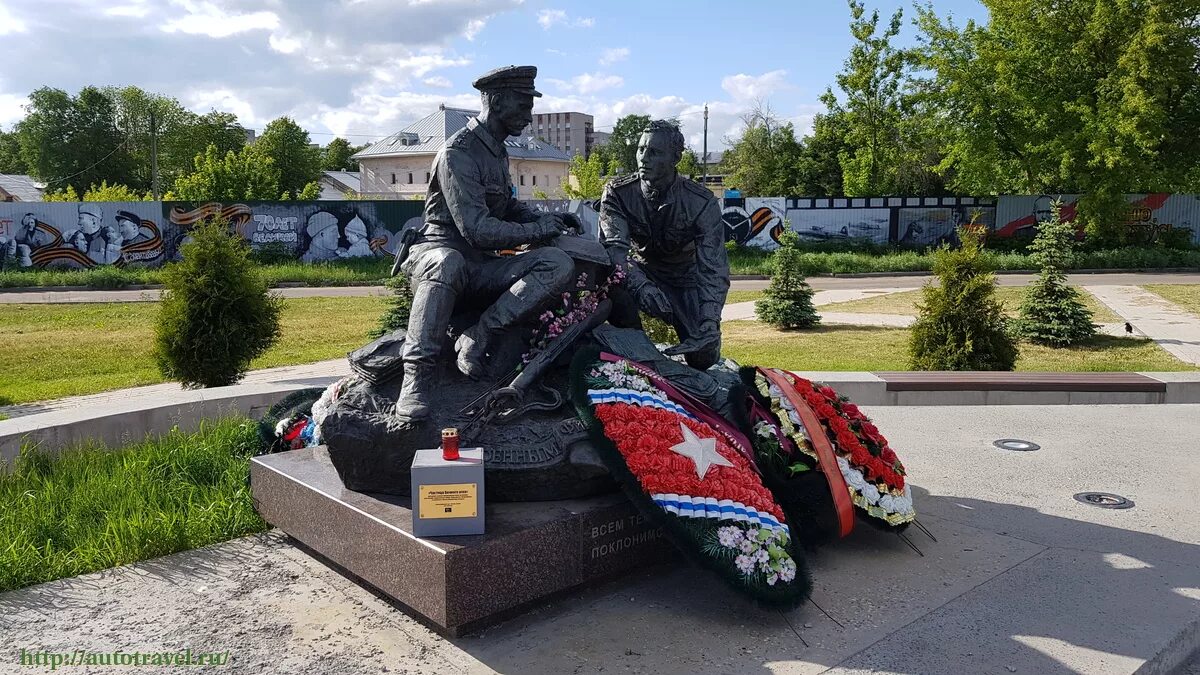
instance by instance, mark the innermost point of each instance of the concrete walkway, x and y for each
(843, 283)
(1172, 328)
(1022, 579)
(322, 373)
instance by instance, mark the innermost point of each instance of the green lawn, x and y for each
(53, 351)
(1187, 296)
(90, 509)
(742, 296)
(905, 302)
(872, 349)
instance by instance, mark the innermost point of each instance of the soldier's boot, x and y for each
(551, 271)
(433, 302)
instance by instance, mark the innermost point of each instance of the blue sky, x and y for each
(365, 68)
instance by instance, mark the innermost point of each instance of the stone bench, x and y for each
(1020, 388)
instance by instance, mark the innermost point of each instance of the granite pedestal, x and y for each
(530, 552)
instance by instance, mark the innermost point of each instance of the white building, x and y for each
(398, 166)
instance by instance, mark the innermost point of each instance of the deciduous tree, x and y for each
(246, 175)
(288, 145)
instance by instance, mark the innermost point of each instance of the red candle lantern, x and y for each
(450, 444)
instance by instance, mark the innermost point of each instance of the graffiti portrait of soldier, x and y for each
(100, 243)
(329, 237)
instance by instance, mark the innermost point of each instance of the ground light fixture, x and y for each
(1016, 445)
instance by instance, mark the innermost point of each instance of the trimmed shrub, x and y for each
(961, 325)
(1052, 313)
(788, 300)
(398, 308)
(216, 314)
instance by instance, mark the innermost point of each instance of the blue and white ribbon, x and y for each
(638, 398)
(709, 507)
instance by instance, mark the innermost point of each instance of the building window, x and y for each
(426, 176)
(522, 179)
(410, 179)
(535, 179)
(393, 179)
(568, 147)
(547, 178)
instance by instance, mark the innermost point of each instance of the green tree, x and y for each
(1069, 96)
(788, 301)
(1052, 312)
(11, 160)
(819, 170)
(623, 143)
(960, 325)
(73, 140)
(311, 192)
(689, 164)
(871, 81)
(765, 160)
(337, 155)
(399, 306)
(288, 145)
(99, 193)
(217, 314)
(585, 177)
(246, 175)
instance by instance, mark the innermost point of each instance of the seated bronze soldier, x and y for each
(470, 214)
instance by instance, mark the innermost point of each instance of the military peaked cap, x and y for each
(517, 78)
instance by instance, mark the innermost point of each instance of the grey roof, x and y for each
(348, 179)
(335, 184)
(427, 135)
(23, 188)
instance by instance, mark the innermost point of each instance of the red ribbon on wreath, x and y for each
(826, 459)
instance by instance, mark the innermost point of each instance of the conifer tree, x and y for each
(1052, 312)
(788, 301)
(961, 325)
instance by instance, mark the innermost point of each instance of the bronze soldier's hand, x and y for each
(551, 225)
(655, 303)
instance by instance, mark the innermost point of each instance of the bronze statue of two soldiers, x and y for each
(664, 229)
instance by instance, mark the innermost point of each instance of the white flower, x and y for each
(729, 536)
(744, 563)
(788, 572)
(747, 546)
(887, 503)
(762, 556)
(771, 579)
(871, 493)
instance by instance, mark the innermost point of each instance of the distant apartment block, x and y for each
(571, 132)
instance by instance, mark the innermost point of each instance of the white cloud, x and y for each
(11, 110)
(135, 10)
(548, 18)
(613, 55)
(284, 44)
(473, 28)
(744, 87)
(206, 18)
(588, 83)
(9, 23)
(438, 81)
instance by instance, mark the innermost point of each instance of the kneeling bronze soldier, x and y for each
(673, 224)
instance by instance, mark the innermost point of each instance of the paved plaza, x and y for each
(1022, 579)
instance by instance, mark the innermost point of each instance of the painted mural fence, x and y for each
(80, 235)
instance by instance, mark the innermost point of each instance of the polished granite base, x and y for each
(531, 551)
